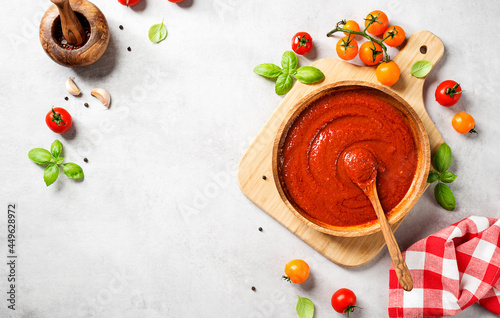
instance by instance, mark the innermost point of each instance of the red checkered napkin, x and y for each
(451, 270)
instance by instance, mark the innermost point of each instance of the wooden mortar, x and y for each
(66, 16)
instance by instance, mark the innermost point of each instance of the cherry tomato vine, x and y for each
(339, 28)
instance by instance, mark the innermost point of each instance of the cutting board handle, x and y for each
(421, 45)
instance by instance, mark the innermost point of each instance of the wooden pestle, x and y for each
(71, 27)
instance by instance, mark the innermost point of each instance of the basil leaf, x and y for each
(443, 158)
(447, 177)
(158, 33)
(305, 308)
(39, 155)
(56, 148)
(59, 160)
(421, 68)
(444, 196)
(289, 62)
(50, 174)
(309, 74)
(268, 70)
(433, 177)
(284, 83)
(73, 171)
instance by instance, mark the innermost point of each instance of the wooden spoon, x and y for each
(361, 168)
(71, 27)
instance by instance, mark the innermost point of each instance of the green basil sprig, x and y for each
(53, 159)
(442, 161)
(283, 74)
(305, 308)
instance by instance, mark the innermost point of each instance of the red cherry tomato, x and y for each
(394, 36)
(59, 120)
(129, 3)
(344, 301)
(380, 22)
(463, 123)
(388, 73)
(370, 53)
(302, 43)
(296, 271)
(347, 48)
(448, 93)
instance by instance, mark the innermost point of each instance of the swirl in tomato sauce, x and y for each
(312, 157)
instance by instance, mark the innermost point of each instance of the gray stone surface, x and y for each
(159, 227)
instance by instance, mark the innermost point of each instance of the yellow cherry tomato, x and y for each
(347, 48)
(370, 53)
(463, 123)
(351, 25)
(394, 36)
(379, 20)
(296, 271)
(388, 73)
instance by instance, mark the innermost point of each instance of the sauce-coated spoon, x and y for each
(361, 168)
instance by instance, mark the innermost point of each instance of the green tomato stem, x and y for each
(453, 91)
(56, 117)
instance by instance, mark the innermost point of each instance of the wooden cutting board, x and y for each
(257, 161)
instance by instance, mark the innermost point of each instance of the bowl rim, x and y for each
(417, 187)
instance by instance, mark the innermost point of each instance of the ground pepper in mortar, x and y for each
(60, 37)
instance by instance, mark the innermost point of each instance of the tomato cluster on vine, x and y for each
(373, 51)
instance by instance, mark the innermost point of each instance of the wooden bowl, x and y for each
(91, 51)
(417, 186)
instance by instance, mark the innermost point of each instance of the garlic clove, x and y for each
(102, 95)
(72, 88)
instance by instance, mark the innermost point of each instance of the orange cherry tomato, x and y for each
(370, 53)
(380, 22)
(388, 73)
(347, 48)
(351, 25)
(394, 36)
(463, 123)
(296, 271)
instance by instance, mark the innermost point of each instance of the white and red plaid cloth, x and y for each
(451, 270)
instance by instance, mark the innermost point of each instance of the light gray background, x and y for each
(159, 227)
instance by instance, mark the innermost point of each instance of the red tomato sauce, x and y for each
(312, 165)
